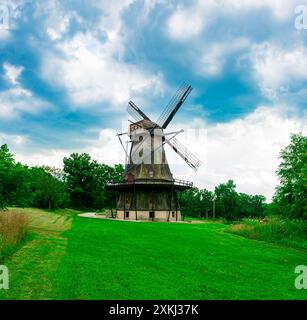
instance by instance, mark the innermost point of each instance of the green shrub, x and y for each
(273, 229)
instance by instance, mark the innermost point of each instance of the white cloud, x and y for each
(190, 21)
(106, 149)
(213, 58)
(281, 10)
(57, 20)
(111, 12)
(52, 158)
(12, 72)
(181, 27)
(277, 69)
(90, 73)
(245, 150)
(4, 35)
(58, 27)
(89, 66)
(17, 99)
(12, 140)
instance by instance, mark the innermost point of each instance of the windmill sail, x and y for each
(163, 121)
(184, 153)
(174, 105)
(135, 112)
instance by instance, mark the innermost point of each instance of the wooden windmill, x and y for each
(148, 190)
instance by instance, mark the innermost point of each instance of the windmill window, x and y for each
(151, 214)
(127, 214)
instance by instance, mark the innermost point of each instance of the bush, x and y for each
(13, 229)
(273, 229)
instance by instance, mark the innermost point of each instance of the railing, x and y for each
(177, 182)
(183, 182)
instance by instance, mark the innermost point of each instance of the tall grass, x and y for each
(13, 229)
(273, 229)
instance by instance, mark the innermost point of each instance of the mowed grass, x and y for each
(69, 257)
(32, 268)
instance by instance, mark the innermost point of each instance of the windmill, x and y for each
(148, 190)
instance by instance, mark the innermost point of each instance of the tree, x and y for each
(250, 205)
(196, 202)
(290, 196)
(104, 174)
(190, 202)
(226, 200)
(49, 191)
(206, 197)
(229, 204)
(86, 181)
(78, 169)
(19, 187)
(14, 181)
(6, 170)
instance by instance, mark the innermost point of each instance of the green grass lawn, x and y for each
(67, 257)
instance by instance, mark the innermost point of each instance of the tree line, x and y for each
(225, 202)
(290, 198)
(82, 184)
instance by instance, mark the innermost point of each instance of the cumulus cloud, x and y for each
(12, 72)
(193, 24)
(213, 58)
(245, 150)
(190, 21)
(277, 69)
(57, 25)
(56, 20)
(52, 158)
(18, 99)
(12, 140)
(110, 21)
(106, 149)
(181, 27)
(90, 73)
(89, 64)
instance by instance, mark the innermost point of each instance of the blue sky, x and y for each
(68, 69)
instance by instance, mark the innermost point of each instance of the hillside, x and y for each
(68, 257)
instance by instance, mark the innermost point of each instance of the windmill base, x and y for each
(148, 200)
(149, 215)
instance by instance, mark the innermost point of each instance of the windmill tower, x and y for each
(148, 190)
